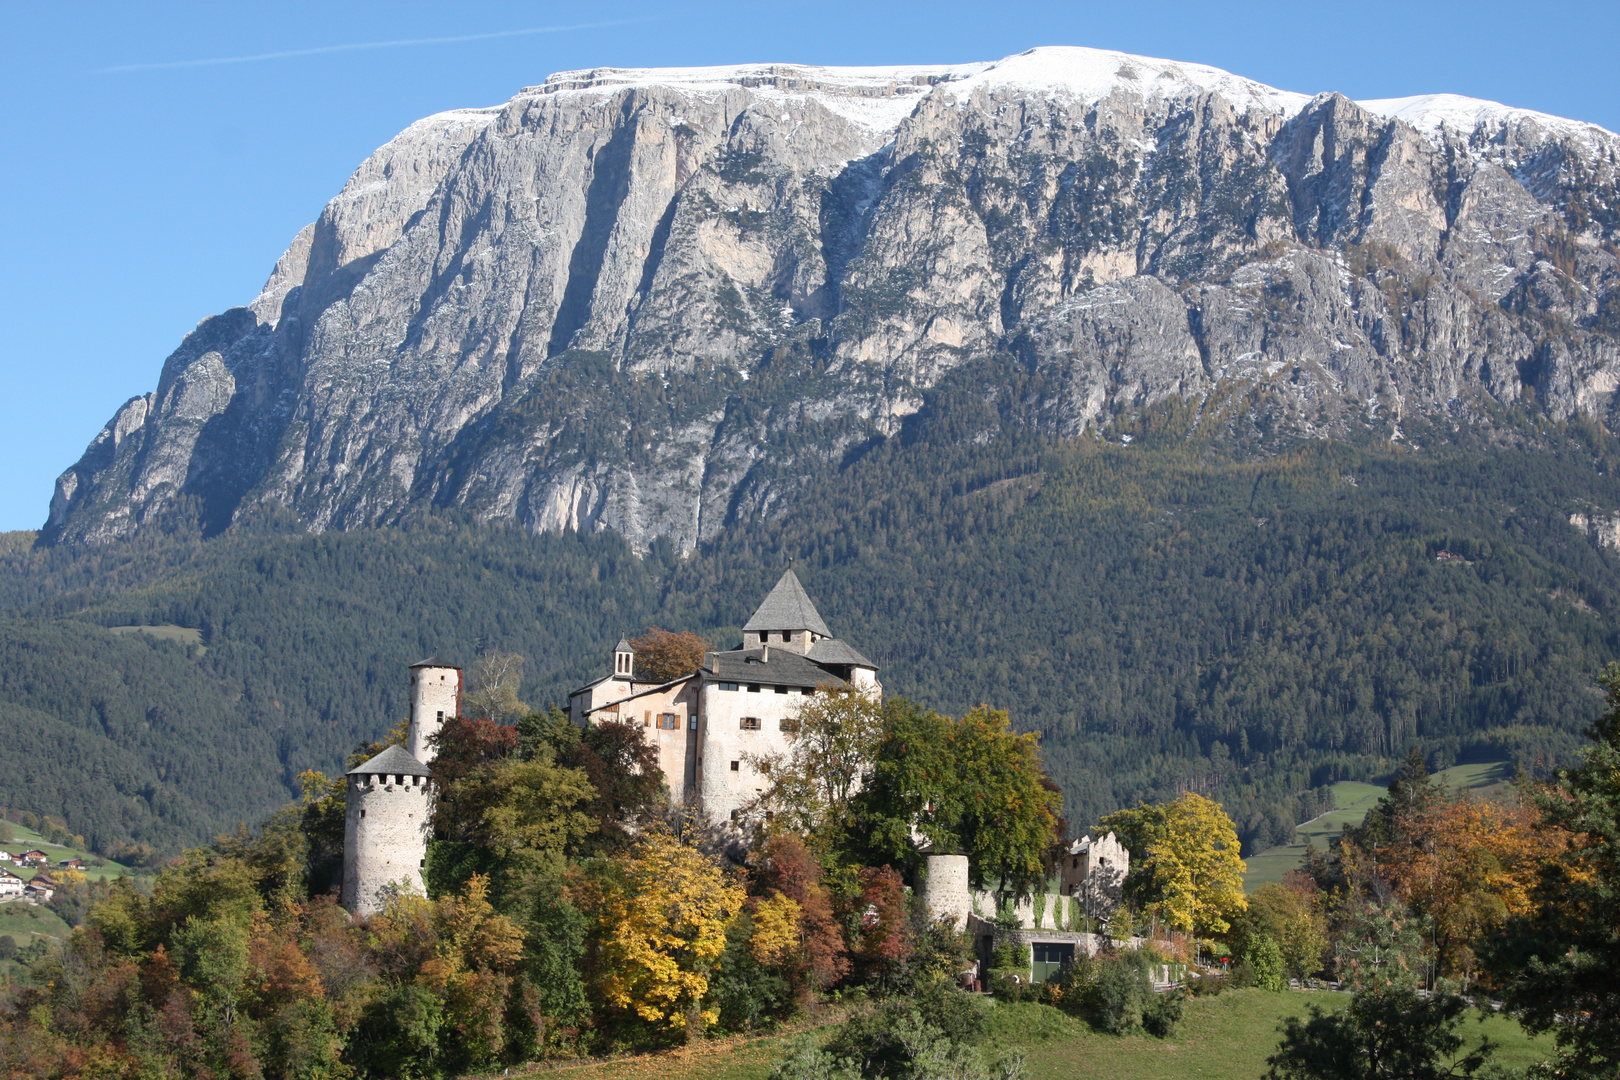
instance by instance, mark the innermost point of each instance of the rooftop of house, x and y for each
(767, 666)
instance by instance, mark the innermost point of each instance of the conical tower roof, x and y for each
(787, 607)
(395, 759)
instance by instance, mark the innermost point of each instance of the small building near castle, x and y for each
(742, 703)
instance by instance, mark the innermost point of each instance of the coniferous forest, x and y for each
(1171, 611)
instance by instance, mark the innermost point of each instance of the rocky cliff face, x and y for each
(654, 301)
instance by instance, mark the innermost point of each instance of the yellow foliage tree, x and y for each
(1185, 865)
(776, 930)
(663, 929)
(1468, 864)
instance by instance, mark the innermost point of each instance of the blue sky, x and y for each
(146, 185)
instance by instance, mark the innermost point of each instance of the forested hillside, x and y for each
(1168, 613)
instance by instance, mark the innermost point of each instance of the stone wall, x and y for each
(385, 833)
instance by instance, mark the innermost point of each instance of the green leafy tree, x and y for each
(1559, 966)
(971, 786)
(815, 779)
(1384, 1034)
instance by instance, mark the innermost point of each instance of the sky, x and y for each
(159, 157)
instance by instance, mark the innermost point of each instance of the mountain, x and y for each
(658, 301)
(1233, 440)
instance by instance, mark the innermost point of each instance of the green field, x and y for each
(1223, 1038)
(1352, 801)
(28, 838)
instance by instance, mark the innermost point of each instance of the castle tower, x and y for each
(945, 891)
(785, 618)
(435, 697)
(389, 804)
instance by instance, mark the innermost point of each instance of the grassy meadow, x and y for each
(1352, 800)
(1223, 1038)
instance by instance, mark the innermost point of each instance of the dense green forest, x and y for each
(1171, 612)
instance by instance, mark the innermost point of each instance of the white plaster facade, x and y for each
(739, 705)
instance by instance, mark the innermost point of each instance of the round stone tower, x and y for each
(385, 832)
(945, 892)
(435, 696)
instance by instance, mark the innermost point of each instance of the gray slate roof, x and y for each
(434, 661)
(784, 668)
(623, 646)
(787, 607)
(395, 759)
(833, 651)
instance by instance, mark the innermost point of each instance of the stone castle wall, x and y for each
(385, 834)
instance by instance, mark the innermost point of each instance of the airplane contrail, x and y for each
(319, 49)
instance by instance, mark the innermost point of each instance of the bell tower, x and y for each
(624, 661)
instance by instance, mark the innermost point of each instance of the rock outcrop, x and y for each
(653, 301)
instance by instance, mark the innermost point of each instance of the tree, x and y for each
(664, 655)
(1288, 914)
(1006, 813)
(1558, 965)
(662, 927)
(968, 785)
(1184, 862)
(814, 780)
(1384, 1034)
(497, 679)
(1468, 865)
(789, 869)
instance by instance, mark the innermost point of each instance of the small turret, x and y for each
(388, 815)
(624, 660)
(435, 697)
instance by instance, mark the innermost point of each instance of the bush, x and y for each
(1113, 991)
(1264, 959)
(1163, 1014)
(1207, 986)
(933, 1033)
(1387, 1033)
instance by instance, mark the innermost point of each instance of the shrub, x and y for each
(1164, 1012)
(1265, 961)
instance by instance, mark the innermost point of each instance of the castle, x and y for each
(707, 725)
(388, 812)
(742, 702)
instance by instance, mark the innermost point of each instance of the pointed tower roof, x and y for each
(787, 607)
(623, 646)
(395, 759)
(434, 662)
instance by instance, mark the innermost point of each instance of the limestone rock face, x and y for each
(653, 301)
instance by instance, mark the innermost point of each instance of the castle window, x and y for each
(736, 766)
(691, 722)
(362, 813)
(668, 721)
(751, 723)
(787, 635)
(728, 686)
(734, 815)
(441, 716)
(781, 689)
(753, 688)
(790, 725)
